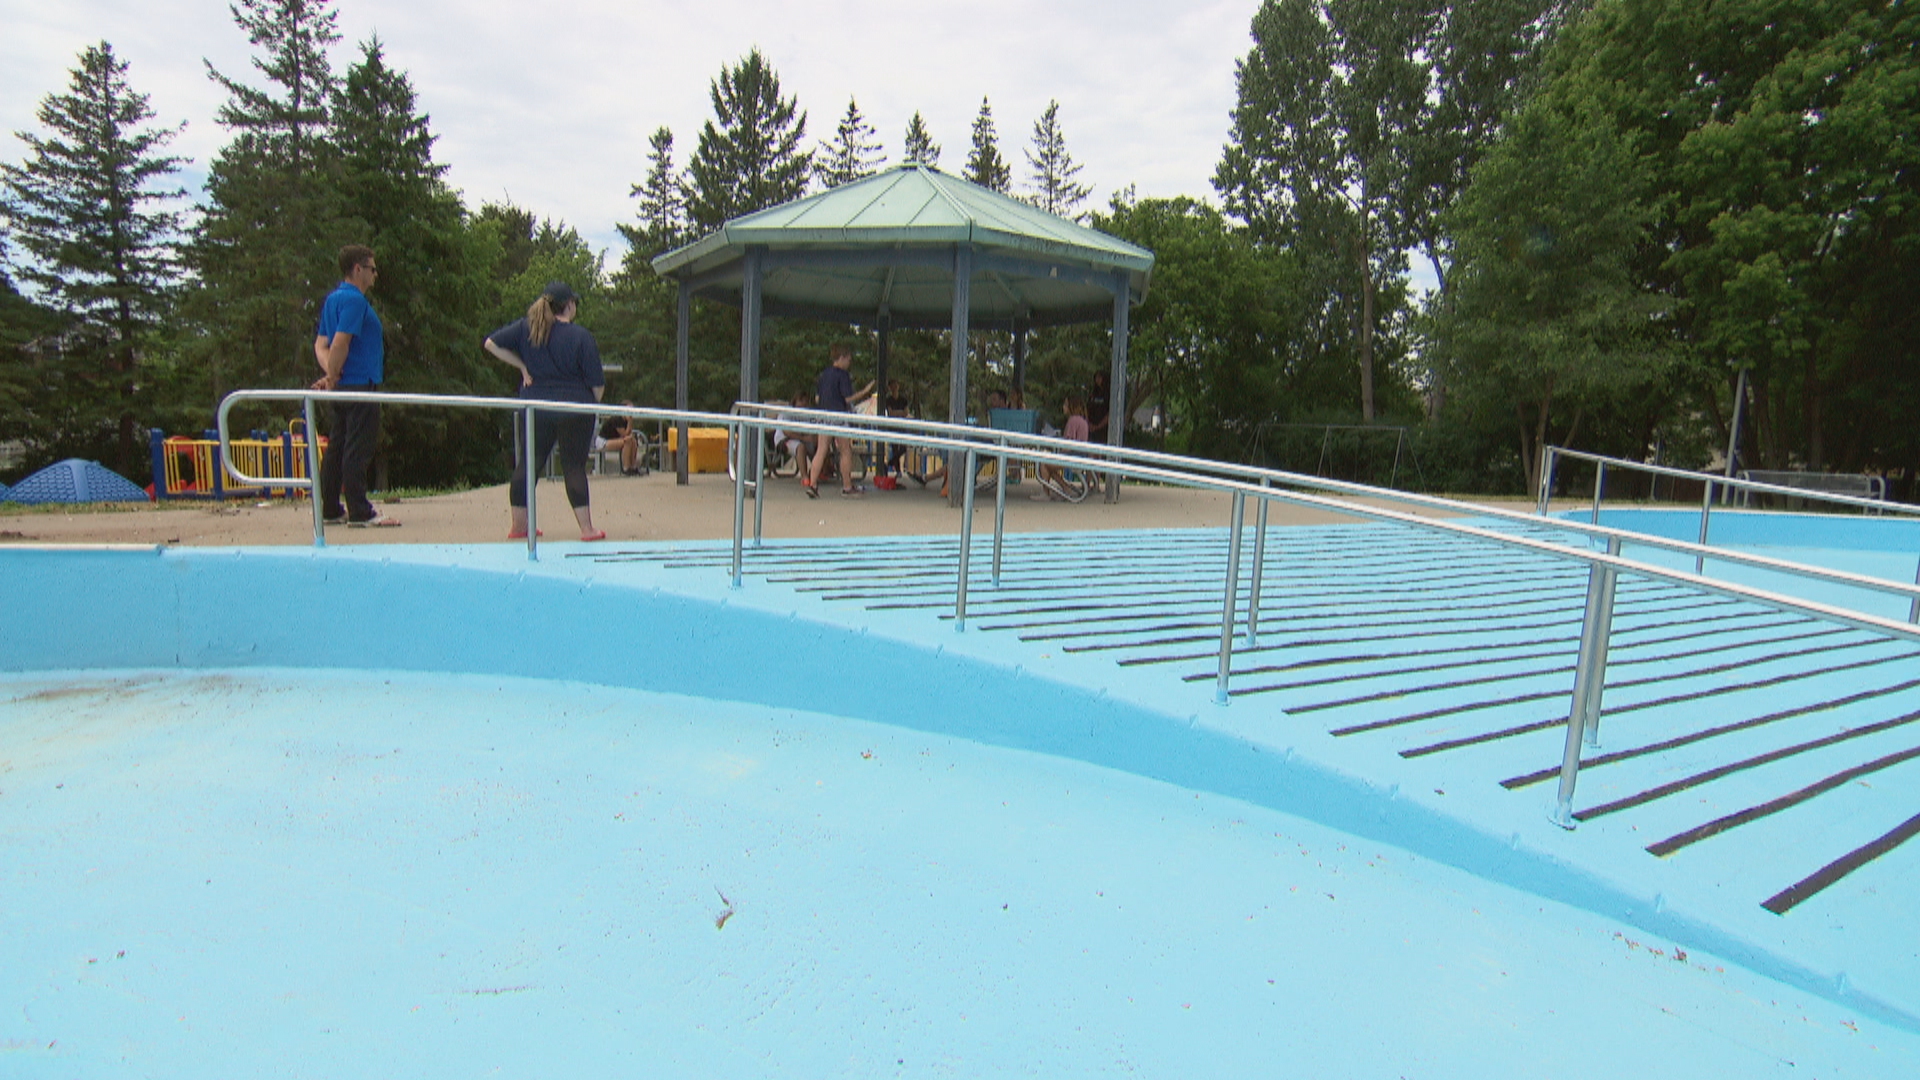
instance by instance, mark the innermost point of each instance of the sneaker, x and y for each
(853, 492)
(812, 491)
(336, 519)
(377, 521)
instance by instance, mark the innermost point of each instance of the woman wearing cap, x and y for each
(558, 361)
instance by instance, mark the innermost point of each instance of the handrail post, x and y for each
(1546, 476)
(966, 543)
(533, 479)
(739, 494)
(1599, 485)
(1603, 638)
(1913, 609)
(1232, 599)
(1259, 563)
(999, 509)
(313, 476)
(1589, 679)
(759, 480)
(1706, 511)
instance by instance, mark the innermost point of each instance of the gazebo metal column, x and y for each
(683, 319)
(958, 485)
(751, 275)
(1117, 379)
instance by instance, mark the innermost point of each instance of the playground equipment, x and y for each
(190, 468)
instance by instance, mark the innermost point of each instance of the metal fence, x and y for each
(967, 446)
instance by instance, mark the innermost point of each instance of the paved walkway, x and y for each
(635, 508)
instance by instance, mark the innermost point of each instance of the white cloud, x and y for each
(555, 109)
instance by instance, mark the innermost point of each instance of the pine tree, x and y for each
(985, 166)
(749, 157)
(433, 272)
(1054, 187)
(271, 228)
(88, 208)
(920, 147)
(663, 202)
(853, 153)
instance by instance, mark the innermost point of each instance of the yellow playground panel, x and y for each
(185, 467)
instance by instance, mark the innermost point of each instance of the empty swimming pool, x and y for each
(599, 818)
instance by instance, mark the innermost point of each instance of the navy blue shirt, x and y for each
(566, 368)
(835, 388)
(346, 311)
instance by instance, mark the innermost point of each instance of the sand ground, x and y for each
(649, 507)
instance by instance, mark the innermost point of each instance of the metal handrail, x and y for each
(1240, 482)
(1549, 456)
(1553, 453)
(1126, 460)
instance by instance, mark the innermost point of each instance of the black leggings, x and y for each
(574, 433)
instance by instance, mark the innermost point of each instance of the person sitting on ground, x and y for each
(798, 446)
(616, 433)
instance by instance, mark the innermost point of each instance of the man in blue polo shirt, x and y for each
(352, 354)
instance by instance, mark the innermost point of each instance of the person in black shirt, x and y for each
(616, 433)
(1097, 406)
(558, 361)
(837, 395)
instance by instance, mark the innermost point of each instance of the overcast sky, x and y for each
(553, 111)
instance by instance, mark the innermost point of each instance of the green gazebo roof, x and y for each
(884, 246)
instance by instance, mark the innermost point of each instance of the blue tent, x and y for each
(76, 481)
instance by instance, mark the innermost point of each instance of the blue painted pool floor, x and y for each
(312, 873)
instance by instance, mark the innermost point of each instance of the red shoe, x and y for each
(588, 538)
(521, 534)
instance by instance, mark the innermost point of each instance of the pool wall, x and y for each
(487, 611)
(1750, 528)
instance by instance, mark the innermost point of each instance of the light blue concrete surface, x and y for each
(646, 625)
(295, 873)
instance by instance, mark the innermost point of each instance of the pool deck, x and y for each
(1118, 696)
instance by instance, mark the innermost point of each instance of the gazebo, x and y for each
(911, 248)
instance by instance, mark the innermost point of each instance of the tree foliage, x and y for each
(1546, 304)
(918, 147)
(750, 155)
(853, 153)
(985, 166)
(264, 248)
(1769, 148)
(434, 280)
(1054, 175)
(662, 223)
(91, 209)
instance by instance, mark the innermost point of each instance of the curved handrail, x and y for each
(1238, 481)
